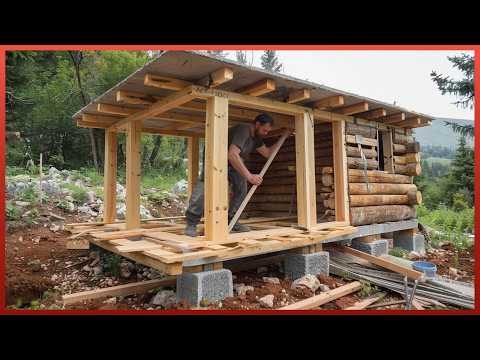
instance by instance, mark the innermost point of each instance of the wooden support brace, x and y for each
(110, 178)
(340, 171)
(193, 162)
(132, 201)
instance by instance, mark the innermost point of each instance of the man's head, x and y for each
(263, 125)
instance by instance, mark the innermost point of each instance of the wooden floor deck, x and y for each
(161, 245)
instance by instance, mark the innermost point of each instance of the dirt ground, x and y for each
(39, 268)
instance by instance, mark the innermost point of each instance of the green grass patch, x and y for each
(398, 252)
(79, 194)
(12, 212)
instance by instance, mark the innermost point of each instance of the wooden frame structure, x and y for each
(195, 109)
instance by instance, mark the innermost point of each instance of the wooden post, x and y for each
(132, 201)
(305, 159)
(387, 151)
(340, 172)
(110, 178)
(216, 169)
(193, 162)
(40, 192)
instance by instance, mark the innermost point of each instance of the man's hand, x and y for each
(255, 179)
(286, 132)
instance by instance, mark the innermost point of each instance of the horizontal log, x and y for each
(358, 163)
(380, 214)
(379, 188)
(414, 169)
(327, 170)
(375, 176)
(351, 139)
(402, 139)
(355, 152)
(366, 131)
(327, 179)
(409, 158)
(409, 148)
(371, 200)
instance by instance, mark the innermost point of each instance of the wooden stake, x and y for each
(40, 177)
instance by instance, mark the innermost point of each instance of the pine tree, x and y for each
(270, 61)
(461, 172)
(241, 57)
(219, 53)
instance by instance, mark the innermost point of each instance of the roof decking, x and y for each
(190, 67)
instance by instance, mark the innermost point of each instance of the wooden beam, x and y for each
(305, 162)
(413, 274)
(353, 109)
(373, 114)
(193, 162)
(259, 88)
(131, 97)
(298, 95)
(393, 118)
(164, 82)
(329, 102)
(324, 297)
(216, 169)
(180, 133)
(133, 160)
(387, 151)
(110, 178)
(167, 103)
(217, 78)
(410, 122)
(99, 119)
(342, 213)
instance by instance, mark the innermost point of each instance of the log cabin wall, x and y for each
(387, 192)
(277, 194)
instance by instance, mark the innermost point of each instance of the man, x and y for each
(243, 139)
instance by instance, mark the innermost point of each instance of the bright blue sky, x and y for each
(401, 76)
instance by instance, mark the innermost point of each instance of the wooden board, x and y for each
(110, 177)
(340, 171)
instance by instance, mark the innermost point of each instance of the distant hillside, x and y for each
(438, 133)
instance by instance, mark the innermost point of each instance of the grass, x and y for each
(398, 252)
(12, 212)
(79, 194)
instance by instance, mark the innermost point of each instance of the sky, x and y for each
(390, 76)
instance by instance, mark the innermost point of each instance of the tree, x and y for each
(461, 172)
(219, 53)
(241, 57)
(463, 89)
(270, 61)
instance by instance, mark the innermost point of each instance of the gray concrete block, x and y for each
(298, 265)
(208, 285)
(405, 240)
(375, 248)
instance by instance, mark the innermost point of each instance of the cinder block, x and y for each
(208, 285)
(375, 248)
(298, 265)
(410, 242)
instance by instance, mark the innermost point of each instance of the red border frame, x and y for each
(4, 48)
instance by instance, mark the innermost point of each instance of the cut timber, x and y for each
(216, 163)
(324, 297)
(402, 139)
(407, 158)
(352, 139)
(298, 95)
(358, 176)
(341, 175)
(410, 122)
(193, 163)
(373, 114)
(355, 152)
(369, 200)
(132, 200)
(380, 214)
(164, 82)
(130, 97)
(388, 162)
(110, 177)
(353, 109)
(356, 129)
(305, 162)
(120, 290)
(360, 305)
(329, 102)
(217, 78)
(412, 274)
(259, 88)
(379, 188)
(409, 148)
(78, 244)
(358, 163)
(413, 169)
(393, 118)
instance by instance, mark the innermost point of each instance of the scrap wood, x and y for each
(120, 290)
(397, 302)
(324, 297)
(359, 305)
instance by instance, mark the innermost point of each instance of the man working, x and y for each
(243, 139)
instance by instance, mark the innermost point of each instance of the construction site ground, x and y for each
(39, 270)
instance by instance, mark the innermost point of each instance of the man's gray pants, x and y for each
(196, 203)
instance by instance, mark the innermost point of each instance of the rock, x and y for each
(266, 301)
(452, 271)
(53, 171)
(324, 288)
(22, 203)
(412, 255)
(125, 270)
(112, 300)
(35, 265)
(36, 240)
(68, 198)
(87, 268)
(97, 270)
(54, 277)
(54, 227)
(180, 187)
(309, 281)
(262, 269)
(271, 280)
(241, 289)
(91, 197)
(164, 298)
(20, 239)
(51, 187)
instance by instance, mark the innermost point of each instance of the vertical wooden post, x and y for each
(342, 208)
(216, 169)
(40, 192)
(132, 201)
(193, 162)
(305, 159)
(110, 177)
(387, 151)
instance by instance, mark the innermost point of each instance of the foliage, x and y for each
(30, 194)
(241, 57)
(111, 264)
(366, 289)
(79, 194)
(12, 213)
(270, 61)
(398, 252)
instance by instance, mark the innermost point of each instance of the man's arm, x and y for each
(237, 163)
(267, 151)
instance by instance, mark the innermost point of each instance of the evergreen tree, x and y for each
(219, 53)
(270, 61)
(241, 57)
(461, 172)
